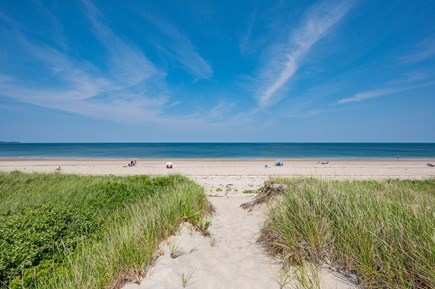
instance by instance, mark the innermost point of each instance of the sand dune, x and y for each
(230, 258)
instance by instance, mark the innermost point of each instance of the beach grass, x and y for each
(70, 231)
(381, 233)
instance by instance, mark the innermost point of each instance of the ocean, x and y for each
(219, 150)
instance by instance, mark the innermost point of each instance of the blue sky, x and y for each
(288, 71)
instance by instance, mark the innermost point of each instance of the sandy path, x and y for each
(230, 258)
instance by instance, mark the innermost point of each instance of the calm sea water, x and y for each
(219, 150)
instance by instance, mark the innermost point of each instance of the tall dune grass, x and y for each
(380, 232)
(129, 246)
(117, 225)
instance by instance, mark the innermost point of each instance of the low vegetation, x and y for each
(381, 233)
(69, 231)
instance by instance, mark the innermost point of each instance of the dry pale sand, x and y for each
(230, 258)
(197, 168)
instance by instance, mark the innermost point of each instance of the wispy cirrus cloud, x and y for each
(219, 111)
(128, 63)
(80, 79)
(245, 40)
(369, 94)
(77, 88)
(420, 52)
(382, 92)
(285, 58)
(130, 89)
(117, 110)
(180, 48)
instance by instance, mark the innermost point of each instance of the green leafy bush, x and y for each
(46, 218)
(31, 235)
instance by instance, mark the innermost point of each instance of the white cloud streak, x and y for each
(286, 58)
(368, 95)
(180, 48)
(381, 92)
(129, 90)
(128, 63)
(78, 95)
(80, 79)
(422, 51)
(220, 110)
(245, 40)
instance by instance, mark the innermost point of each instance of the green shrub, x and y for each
(31, 235)
(48, 220)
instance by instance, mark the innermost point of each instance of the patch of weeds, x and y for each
(174, 250)
(212, 242)
(306, 276)
(249, 192)
(283, 278)
(193, 250)
(134, 275)
(203, 228)
(270, 190)
(185, 279)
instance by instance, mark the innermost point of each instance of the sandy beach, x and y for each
(231, 175)
(336, 169)
(241, 174)
(230, 257)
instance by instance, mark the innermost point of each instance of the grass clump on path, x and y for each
(69, 231)
(380, 232)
